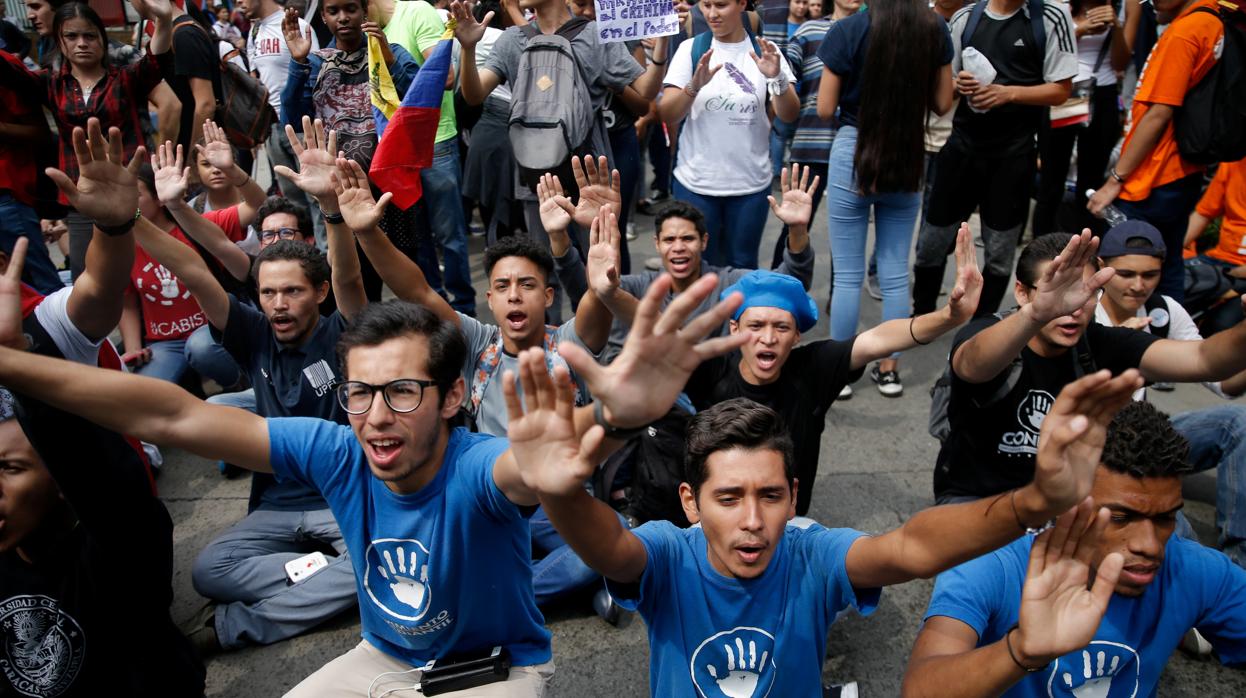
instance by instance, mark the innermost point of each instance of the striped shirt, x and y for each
(812, 142)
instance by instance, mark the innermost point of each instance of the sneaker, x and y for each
(888, 382)
(1163, 386)
(631, 231)
(201, 631)
(653, 264)
(845, 393)
(647, 204)
(847, 690)
(609, 611)
(1195, 645)
(873, 288)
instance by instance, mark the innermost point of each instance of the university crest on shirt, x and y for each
(43, 647)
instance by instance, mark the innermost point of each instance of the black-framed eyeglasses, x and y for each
(402, 395)
(279, 234)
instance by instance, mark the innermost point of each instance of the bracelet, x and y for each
(914, 336)
(1116, 175)
(121, 228)
(334, 218)
(1008, 644)
(690, 92)
(1029, 530)
(613, 432)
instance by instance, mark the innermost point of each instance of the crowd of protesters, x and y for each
(646, 441)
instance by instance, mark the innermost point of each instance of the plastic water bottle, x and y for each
(1114, 216)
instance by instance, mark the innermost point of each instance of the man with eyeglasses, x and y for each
(434, 517)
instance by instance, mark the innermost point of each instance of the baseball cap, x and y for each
(1132, 237)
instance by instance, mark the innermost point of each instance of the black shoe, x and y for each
(888, 382)
(609, 611)
(1163, 386)
(655, 198)
(201, 631)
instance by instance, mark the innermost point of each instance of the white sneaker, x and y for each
(1195, 645)
(846, 393)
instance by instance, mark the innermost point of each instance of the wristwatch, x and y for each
(777, 85)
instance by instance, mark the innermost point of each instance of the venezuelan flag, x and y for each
(383, 93)
(407, 146)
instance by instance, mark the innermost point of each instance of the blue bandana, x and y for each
(768, 289)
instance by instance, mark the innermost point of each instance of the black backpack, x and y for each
(656, 461)
(1210, 125)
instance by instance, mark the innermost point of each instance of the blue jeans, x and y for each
(17, 220)
(210, 359)
(1217, 437)
(243, 570)
(781, 133)
(561, 571)
(848, 215)
(734, 223)
(1168, 209)
(442, 201)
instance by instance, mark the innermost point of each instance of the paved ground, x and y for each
(875, 472)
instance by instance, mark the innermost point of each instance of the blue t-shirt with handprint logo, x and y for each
(717, 637)
(1196, 587)
(444, 571)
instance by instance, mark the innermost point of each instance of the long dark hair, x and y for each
(897, 89)
(80, 10)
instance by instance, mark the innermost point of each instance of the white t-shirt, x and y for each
(1088, 48)
(53, 314)
(724, 145)
(270, 56)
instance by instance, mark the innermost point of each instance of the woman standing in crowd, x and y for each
(1102, 52)
(88, 84)
(723, 164)
(883, 90)
(781, 131)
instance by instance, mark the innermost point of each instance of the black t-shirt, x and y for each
(991, 448)
(1009, 129)
(90, 615)
(809, 382)
(194, 55)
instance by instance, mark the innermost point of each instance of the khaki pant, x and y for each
(370, 673)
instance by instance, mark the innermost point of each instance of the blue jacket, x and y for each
(296, 98)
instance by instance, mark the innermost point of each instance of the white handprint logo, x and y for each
(402, 589)
(1095, 671)
(168, 282)
(738, 663)
(1033, 410)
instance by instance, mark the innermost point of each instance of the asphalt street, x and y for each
(875, 472)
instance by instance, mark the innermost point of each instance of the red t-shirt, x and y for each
(169, 311)
(227, 220)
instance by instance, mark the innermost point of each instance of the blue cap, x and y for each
(1132, 237)
(768, 289)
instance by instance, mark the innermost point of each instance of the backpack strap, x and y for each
(1083, 358)
(529, 30)
(701, 44)
(1158, 302)
(1037, 27)
(971, 24)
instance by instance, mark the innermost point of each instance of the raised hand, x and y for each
(768, 62)
(107, 188)
(660, 353)
(1059, 612)
(556, 208)
(797, 192)
(466, 29)
(154, 9)
(11, 334)
(603, 263)
(354, 197)
(317, 156)
(703, 74)
(962, 302)
(599, 186)
(171, 178)
(298, 41)
(216, 148)
(541, 428)
(372, 29)
(1070, 442)
(1068, 284)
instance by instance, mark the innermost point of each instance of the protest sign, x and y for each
(632, 20)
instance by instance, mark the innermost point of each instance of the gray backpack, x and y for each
(551, 111)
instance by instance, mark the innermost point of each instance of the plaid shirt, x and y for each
(117, 99)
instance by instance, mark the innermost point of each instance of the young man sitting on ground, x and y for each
(742, 604)
(1021, 621)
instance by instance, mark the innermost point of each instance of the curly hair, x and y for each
(1142, 442)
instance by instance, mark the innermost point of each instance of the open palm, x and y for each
(603, 263)
(556, 209)
(1069, 283)
(541, 428)
(962, 302)
(317, 154)
(106, 190)
(598, 185)
(216, 149)
(797, 205)
(171, 178)
(354, 197)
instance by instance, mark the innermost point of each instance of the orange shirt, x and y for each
(1182, 56)
(1226, 196)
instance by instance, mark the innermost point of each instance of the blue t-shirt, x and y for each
(715, 636)
(1196, 587)
(843, 52)
(445, 570)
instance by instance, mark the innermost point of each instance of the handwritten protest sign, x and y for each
(632, 20)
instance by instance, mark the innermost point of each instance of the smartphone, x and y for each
(301, 568)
